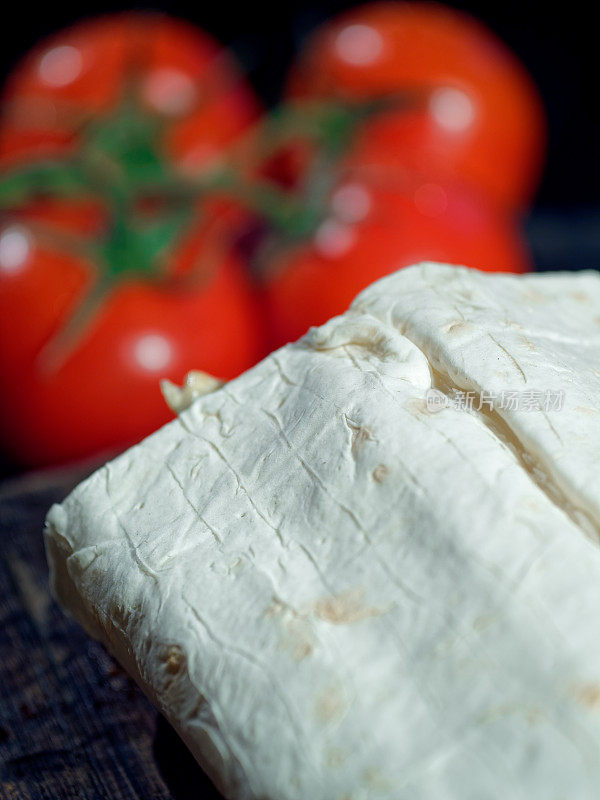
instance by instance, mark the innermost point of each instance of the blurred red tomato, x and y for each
(375, 231)
(166, 69)
(65, 399)
(476, 115)
(111, 274)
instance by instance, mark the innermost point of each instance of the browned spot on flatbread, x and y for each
(344, 608)
(330, 704)
(533, 296)
(581, 297)
(417, 406)
(174, 665)
(295, 632)
(589, 695)
(380, 473)
(174, 659)
(374, 779)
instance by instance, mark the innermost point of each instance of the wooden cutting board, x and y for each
(73, 725)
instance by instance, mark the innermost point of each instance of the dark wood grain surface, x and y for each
(72, 723)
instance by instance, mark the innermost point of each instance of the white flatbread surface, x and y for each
(334, 593)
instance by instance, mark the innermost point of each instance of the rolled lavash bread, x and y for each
(341, 579)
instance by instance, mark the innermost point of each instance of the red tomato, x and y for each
(173, 71)
(373, 232)
(476, 115)
(103, 391)
(107, 285)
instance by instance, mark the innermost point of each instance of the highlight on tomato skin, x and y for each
(373, 231)
(477, 116)
(111, 277)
